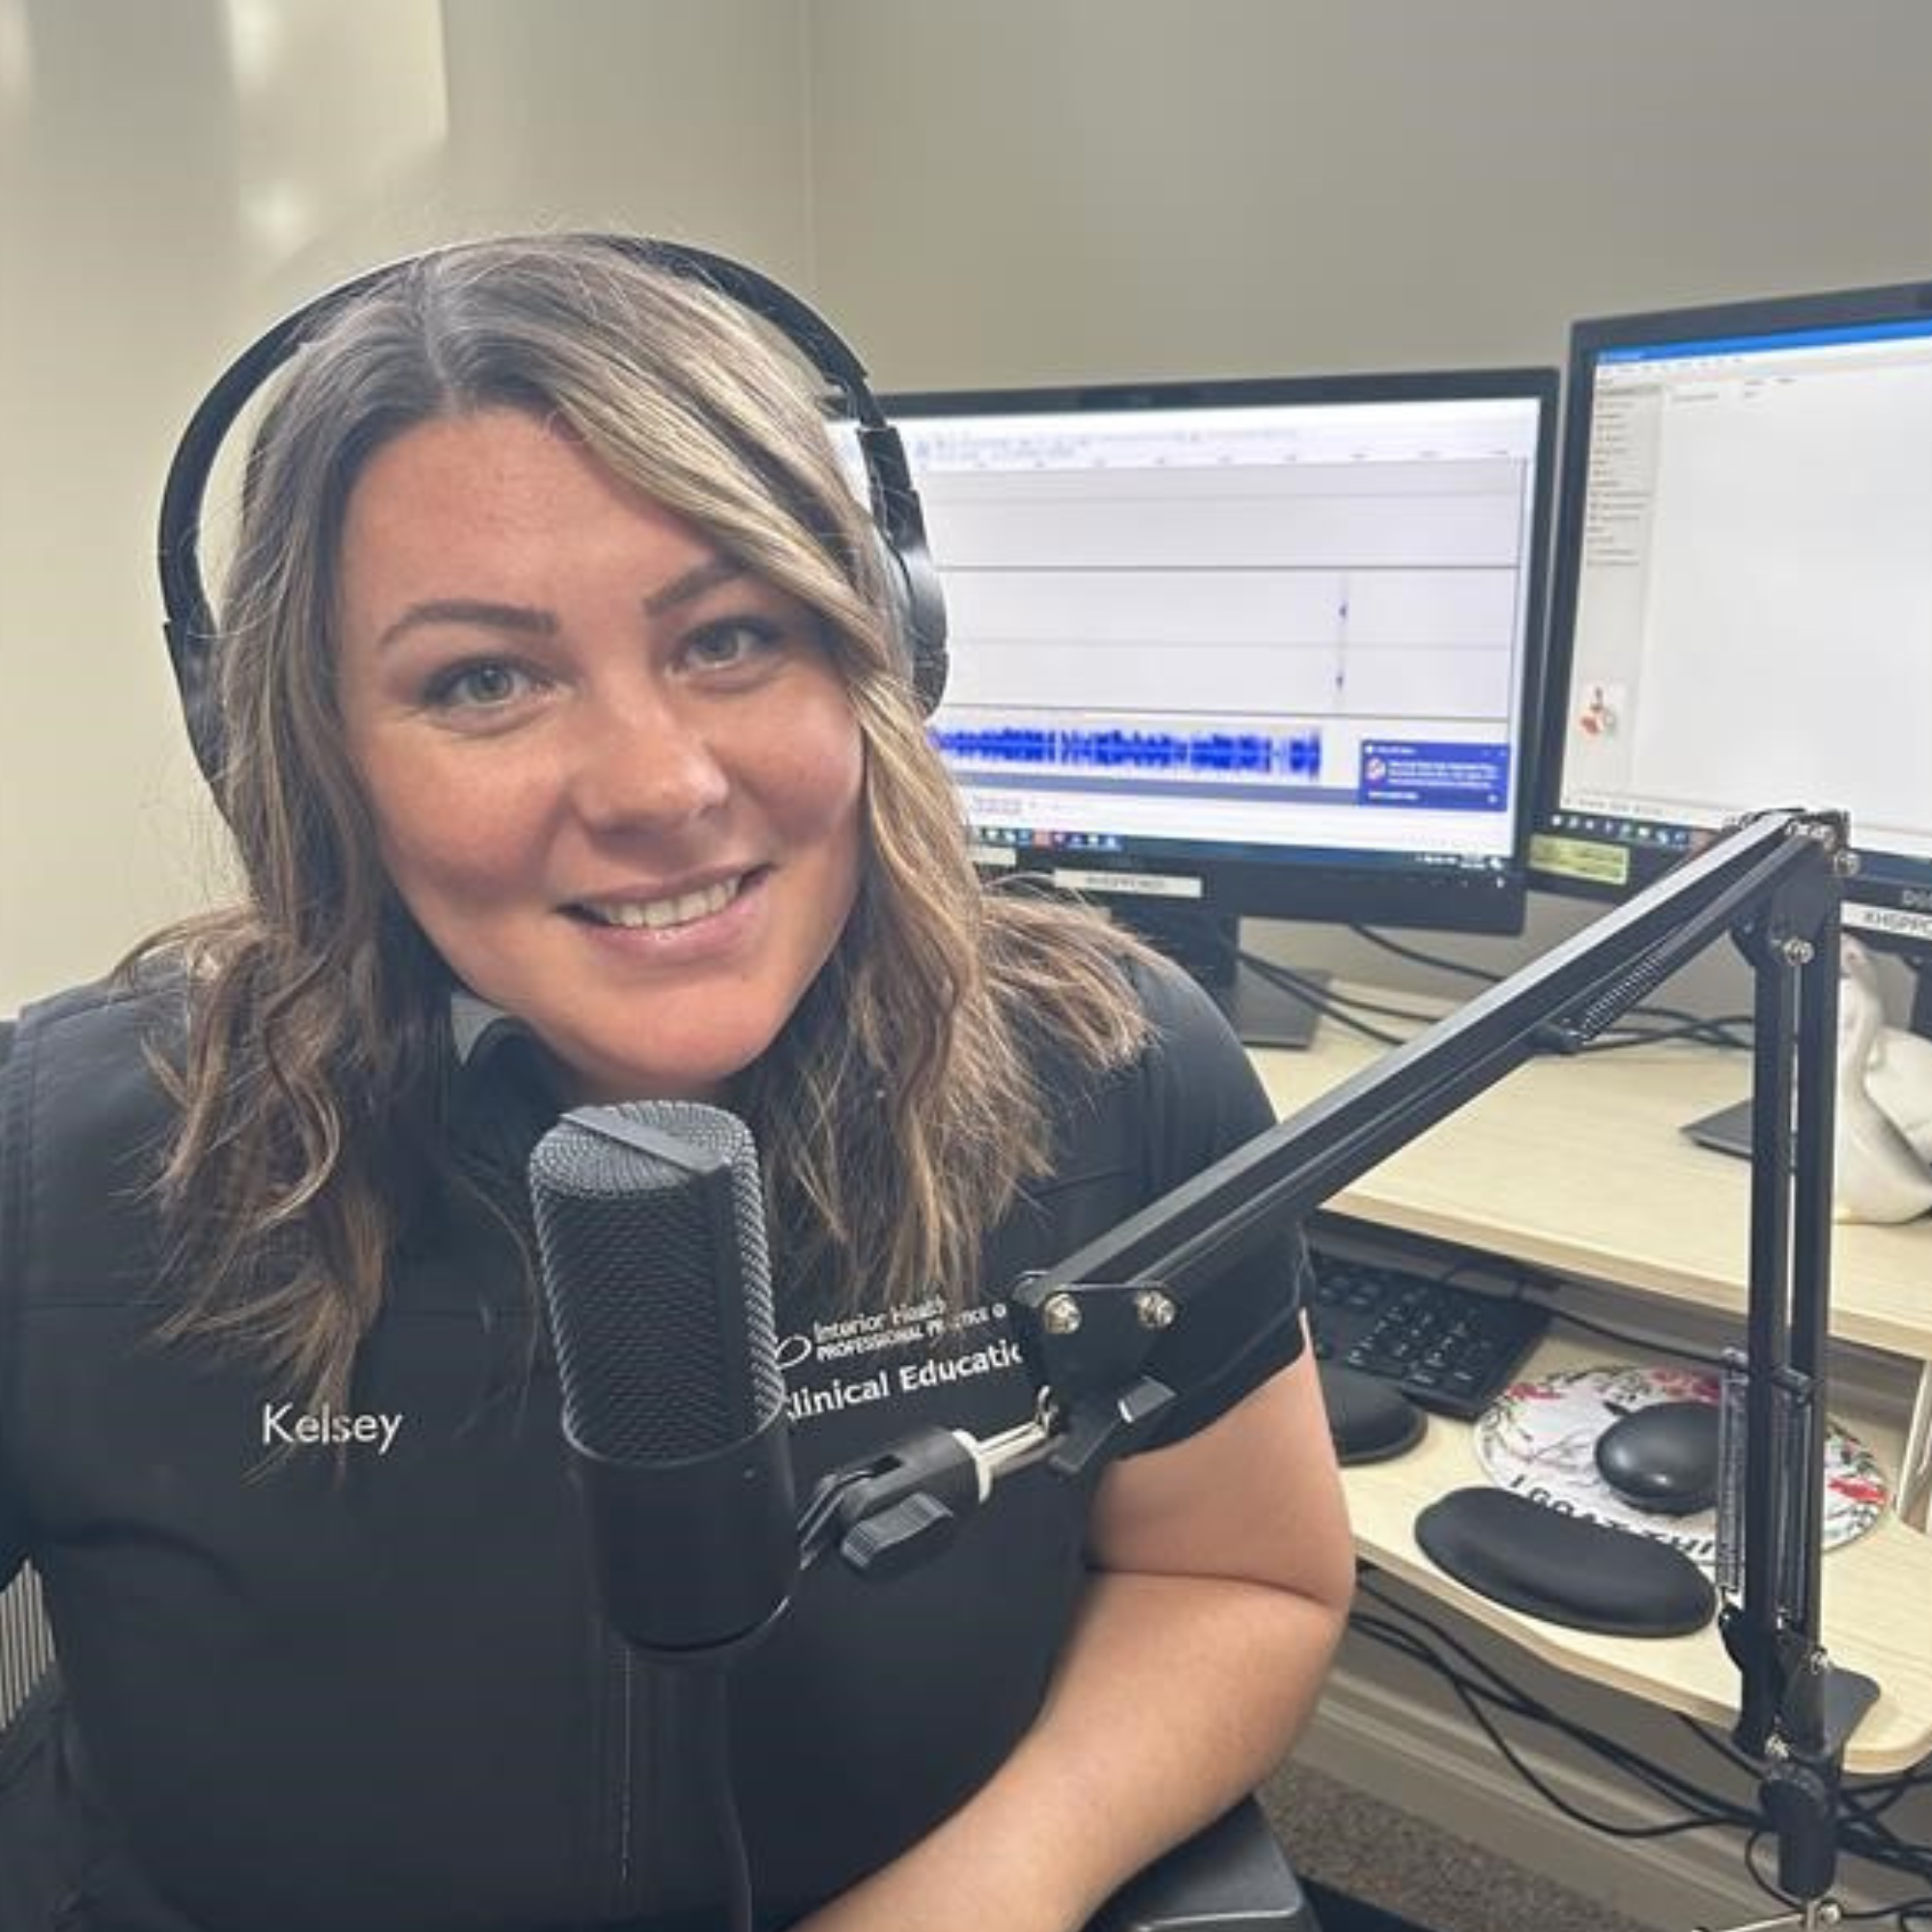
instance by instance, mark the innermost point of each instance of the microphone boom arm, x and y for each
(1088, 1325)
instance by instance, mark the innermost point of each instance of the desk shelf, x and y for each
(1867, 1583)
(1577, 1166)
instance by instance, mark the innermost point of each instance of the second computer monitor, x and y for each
(1247, 648)
(1743, 592)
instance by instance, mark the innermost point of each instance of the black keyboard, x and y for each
(1448, 1349)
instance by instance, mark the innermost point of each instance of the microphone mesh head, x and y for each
(651, 1224)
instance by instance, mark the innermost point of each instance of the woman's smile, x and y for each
(662, 912)
(703, 925)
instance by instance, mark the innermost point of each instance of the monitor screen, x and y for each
(1247, 648)
(1742, 602)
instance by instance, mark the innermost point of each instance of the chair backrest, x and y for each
(1233, 1877)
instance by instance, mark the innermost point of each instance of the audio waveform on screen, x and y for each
(1069, 748)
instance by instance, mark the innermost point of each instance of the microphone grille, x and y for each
(650, 1226)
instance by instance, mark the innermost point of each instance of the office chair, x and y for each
(1233, 1877)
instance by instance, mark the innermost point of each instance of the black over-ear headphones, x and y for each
(912, 580)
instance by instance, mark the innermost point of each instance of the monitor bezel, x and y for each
(1589, 339)
(1331, 888)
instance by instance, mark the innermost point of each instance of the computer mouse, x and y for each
(1664, 1457)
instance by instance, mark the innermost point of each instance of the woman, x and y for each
(571, 757)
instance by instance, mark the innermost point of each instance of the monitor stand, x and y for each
(1729, 1129)
(1208, 946)
(1726, 1131)
(1265, 1015)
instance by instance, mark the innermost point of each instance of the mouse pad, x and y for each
(1539, 1440)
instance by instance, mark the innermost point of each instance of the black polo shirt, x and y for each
(363, 1681)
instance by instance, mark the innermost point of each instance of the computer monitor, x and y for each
(1742, 594)
(1255, 648)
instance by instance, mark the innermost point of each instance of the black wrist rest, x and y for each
(1563, 1567)
(1369, 1419)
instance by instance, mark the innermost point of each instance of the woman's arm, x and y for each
(1223, 1572)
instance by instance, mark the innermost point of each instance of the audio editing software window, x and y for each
(1754, 604)
(1258, 626)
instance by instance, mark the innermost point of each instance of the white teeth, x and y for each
(659, 914)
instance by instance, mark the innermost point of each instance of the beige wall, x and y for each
(1023, 190)
(176, 173)
(978, 190)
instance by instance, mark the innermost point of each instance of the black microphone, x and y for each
(651, 1237)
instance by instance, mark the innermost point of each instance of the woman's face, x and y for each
(616, 779)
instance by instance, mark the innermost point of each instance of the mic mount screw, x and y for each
(1059, 1314)
(1154, 1308)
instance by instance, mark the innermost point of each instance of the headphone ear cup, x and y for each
(919, 610)
(191, 650)
(912, 578)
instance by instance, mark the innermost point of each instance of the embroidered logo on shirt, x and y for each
(931, 1348)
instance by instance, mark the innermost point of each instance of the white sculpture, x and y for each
(1884, 1104)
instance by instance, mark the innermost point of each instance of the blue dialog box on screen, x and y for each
(1437, 777)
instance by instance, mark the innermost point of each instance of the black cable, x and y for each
(1871, 1817)
(1356, 1003)
(1506, 1693)
(1862, 1836)
(1417, 957)
(695, 1706)
(1904, 1912)
(1321, 996)
(1328, 1004)
(1621, 1039)
(1702, 1357)
(1474, 1696)
(1721, 1030)
(1865, 1803)
(1670, 1786)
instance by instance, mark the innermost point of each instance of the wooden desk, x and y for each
(1576, 1166)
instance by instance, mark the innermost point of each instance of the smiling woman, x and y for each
(563, 718)
(615, 778)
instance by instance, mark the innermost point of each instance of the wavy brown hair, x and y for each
(897, 1114)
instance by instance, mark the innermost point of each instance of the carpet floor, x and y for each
(1370, 1868)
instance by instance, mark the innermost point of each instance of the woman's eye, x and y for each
(733, 641)
(476, 686)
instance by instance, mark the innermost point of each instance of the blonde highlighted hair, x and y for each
(897, 1112)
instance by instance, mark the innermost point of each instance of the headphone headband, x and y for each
(189, 622)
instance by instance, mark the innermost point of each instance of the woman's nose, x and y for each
(643, 759)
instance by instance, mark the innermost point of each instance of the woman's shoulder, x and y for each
(149, 996)
(1178, 1007)
(95, 1044)
(1064, 965)
(85, 1116)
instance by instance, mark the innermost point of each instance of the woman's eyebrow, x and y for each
(526, 621)
(692, 583)
(517, 618)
